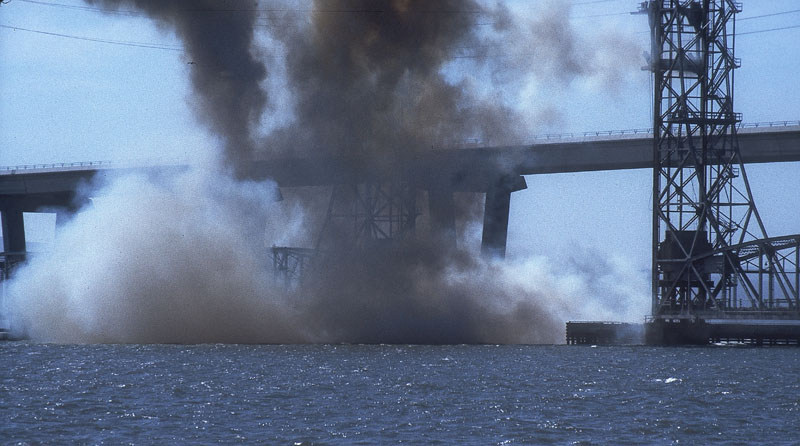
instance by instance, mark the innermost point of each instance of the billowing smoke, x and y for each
(171, 260)
(416, 294)
(369, 81)
(186, 259)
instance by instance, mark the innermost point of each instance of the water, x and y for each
(481, 395)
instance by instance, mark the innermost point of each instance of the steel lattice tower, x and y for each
(711, 254)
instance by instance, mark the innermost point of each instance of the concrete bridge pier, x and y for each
(13, 230)
(63, 215)
(495, 215)
(12, 209)
(443, 215)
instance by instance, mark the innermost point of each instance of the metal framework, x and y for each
(712, 257)
(361, 214)
(289, 264)
(8, 263)
(358, 216)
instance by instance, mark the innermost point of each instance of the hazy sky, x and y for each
(68, 94)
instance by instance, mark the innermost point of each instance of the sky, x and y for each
(69, 93)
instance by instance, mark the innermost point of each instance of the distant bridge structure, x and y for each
(495, 171)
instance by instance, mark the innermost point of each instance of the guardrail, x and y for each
(107, 163)
(750, 125)
(55, 165)
(649, 131)
(551, 136)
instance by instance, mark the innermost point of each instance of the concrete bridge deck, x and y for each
(497, 171)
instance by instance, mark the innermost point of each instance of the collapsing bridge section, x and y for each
(375, 214)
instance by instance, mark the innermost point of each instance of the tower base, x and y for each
(664, 331)
(676, 332)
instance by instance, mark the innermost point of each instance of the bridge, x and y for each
(496, 171)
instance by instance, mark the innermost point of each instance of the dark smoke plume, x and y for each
(217, 36)
(368, 81)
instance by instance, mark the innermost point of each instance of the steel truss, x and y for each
(362, 214)
(711, 253)
(358, 216)
(290, 264)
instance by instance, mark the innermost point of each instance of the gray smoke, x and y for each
(169, 260)
(186, 259)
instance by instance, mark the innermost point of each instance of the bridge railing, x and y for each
(649, 131)
(556, 136)
(57, 165)
(99, 164)
(750, 125)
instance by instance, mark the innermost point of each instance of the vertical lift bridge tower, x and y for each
(713, 264)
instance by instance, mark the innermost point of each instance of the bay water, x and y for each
(397, 394)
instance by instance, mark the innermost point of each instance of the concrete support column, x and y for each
(443, 214)
(495, 221)
(13, 230)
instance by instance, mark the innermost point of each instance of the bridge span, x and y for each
(496, 171)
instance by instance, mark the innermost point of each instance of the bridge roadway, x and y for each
(497, 171)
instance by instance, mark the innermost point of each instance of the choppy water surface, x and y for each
(303, 395)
